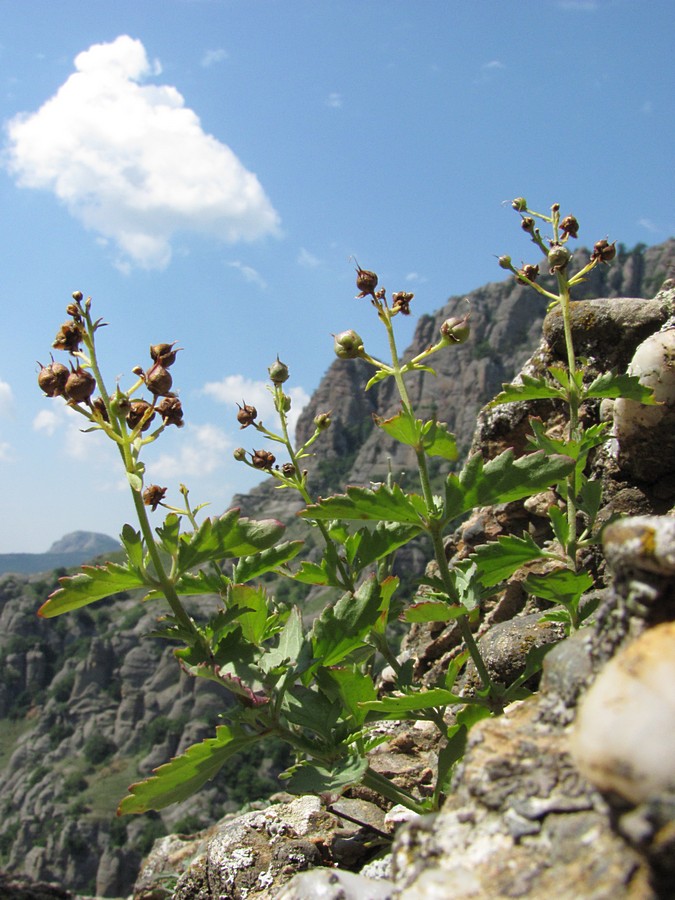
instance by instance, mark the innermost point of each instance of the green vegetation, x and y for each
(310, 685)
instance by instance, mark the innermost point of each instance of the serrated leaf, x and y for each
(341, 630)
(502, 480)
(530, 389)
(374, 543)
(311, 573)
(92, 583)
(250, 567)
(253, 622)
(168, 534)
(612, 386)
(433, 611)
(195, 584)
(179, 779)
(407, 705)
(384, 503)
(290, 646)
(402, 427)
(312, 779)
(560, 525)
(562, 586)
(438, 441)
(355, 688)
(133, 544)
(226, 537)
(498, 560)
(313, 710)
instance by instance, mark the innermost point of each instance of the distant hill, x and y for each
(71, 550)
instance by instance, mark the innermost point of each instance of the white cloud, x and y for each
(211, 57)
(334, 100)
(235, 389)
(493, 65)
(649, 225)
(6, 399)
(6, 454)
(307, 259)
(203, 449)
(249, 274)
(47, 421)
(131, 161)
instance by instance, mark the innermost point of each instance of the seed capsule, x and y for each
(68, 337)
(158, 381)
(569, 226)
(263, 459)
(558, 257)
(519, 204)
(80, 385)
(171, 411)
(456, 330)
(246, 415)
(278, 372)
(604, 251)
(52, 378)
(153, 495)
(366, 282)
(164, 354)
(137, 410)
(348, 345)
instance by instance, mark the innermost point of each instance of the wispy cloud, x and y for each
(307, 259)
(234, 389)
(649, 225)
(489, 70)
(132, 162)
(248, 273)
(212, 57)
(334, 100)
(203, 449)
(6, 399)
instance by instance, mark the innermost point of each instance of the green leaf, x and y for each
(92, 583)
(407, 705)
(311, 779)
(254, 599)
(561, 527)
(380, 375)
(179, 779)
(612, 385)
(168, 534)
(433, 611)
(311, 573)
(374, 543)
(311, 709)
(225, 537)
(438, 441)
(135, 481)
(386, 504)
(355, 688)
(498, 560)
(250, 567)
(530, 389)
(562, 586)
(341, 629)
(402, 427)
(502, 480)
(133, 544)
(290, 646)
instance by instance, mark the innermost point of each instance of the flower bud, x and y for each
(519, 204)
(527, 224)
(505, 262)
(158, 381)
(164, 354)
(278, 372)
(558, 257)
(68, 337)
(569, 226)
(52, 378)
(239, 454)
(137, 410)
(456, 330)
(153, 495)
(246, 415)
(171, 411)
(80, 385)
(283, 403)
(604, 251)
(348, 345)
(262, 459)
(366, 282)
(73, 310)
(77, 296)
(322, 421)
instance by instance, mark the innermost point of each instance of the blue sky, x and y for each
(205, 169)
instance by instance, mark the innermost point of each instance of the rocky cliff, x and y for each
(87, 703)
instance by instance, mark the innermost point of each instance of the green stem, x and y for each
(388, 789)
(574, 401)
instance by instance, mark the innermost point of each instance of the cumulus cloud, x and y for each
(132, 162)
(203, 449)
(235, 389)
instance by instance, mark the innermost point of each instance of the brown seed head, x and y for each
(164, 354)
(246, 415)
(401, 302)
(68, 337)
(262, 459)
(604, 251)
(527, 224)
(569, 227)
(366, 282)
(158, 380)
(529, 272)
(171, 411)
(153, 495)
(80, 385)
(98, 408)
(52, 378)
(288, 469)
(138, 409)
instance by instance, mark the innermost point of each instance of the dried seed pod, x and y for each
(52, 378)
(171, 411)
(401, 302)
(366, 282)
(164, 354)
(98, 407)
(153, 495)
(288, 469)
(262, 459)
(137, 410)
(529, 272)
(569, 227)
(68, 337)
(246, 415)
(604, 251)
(158, 381)
(80, 385)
